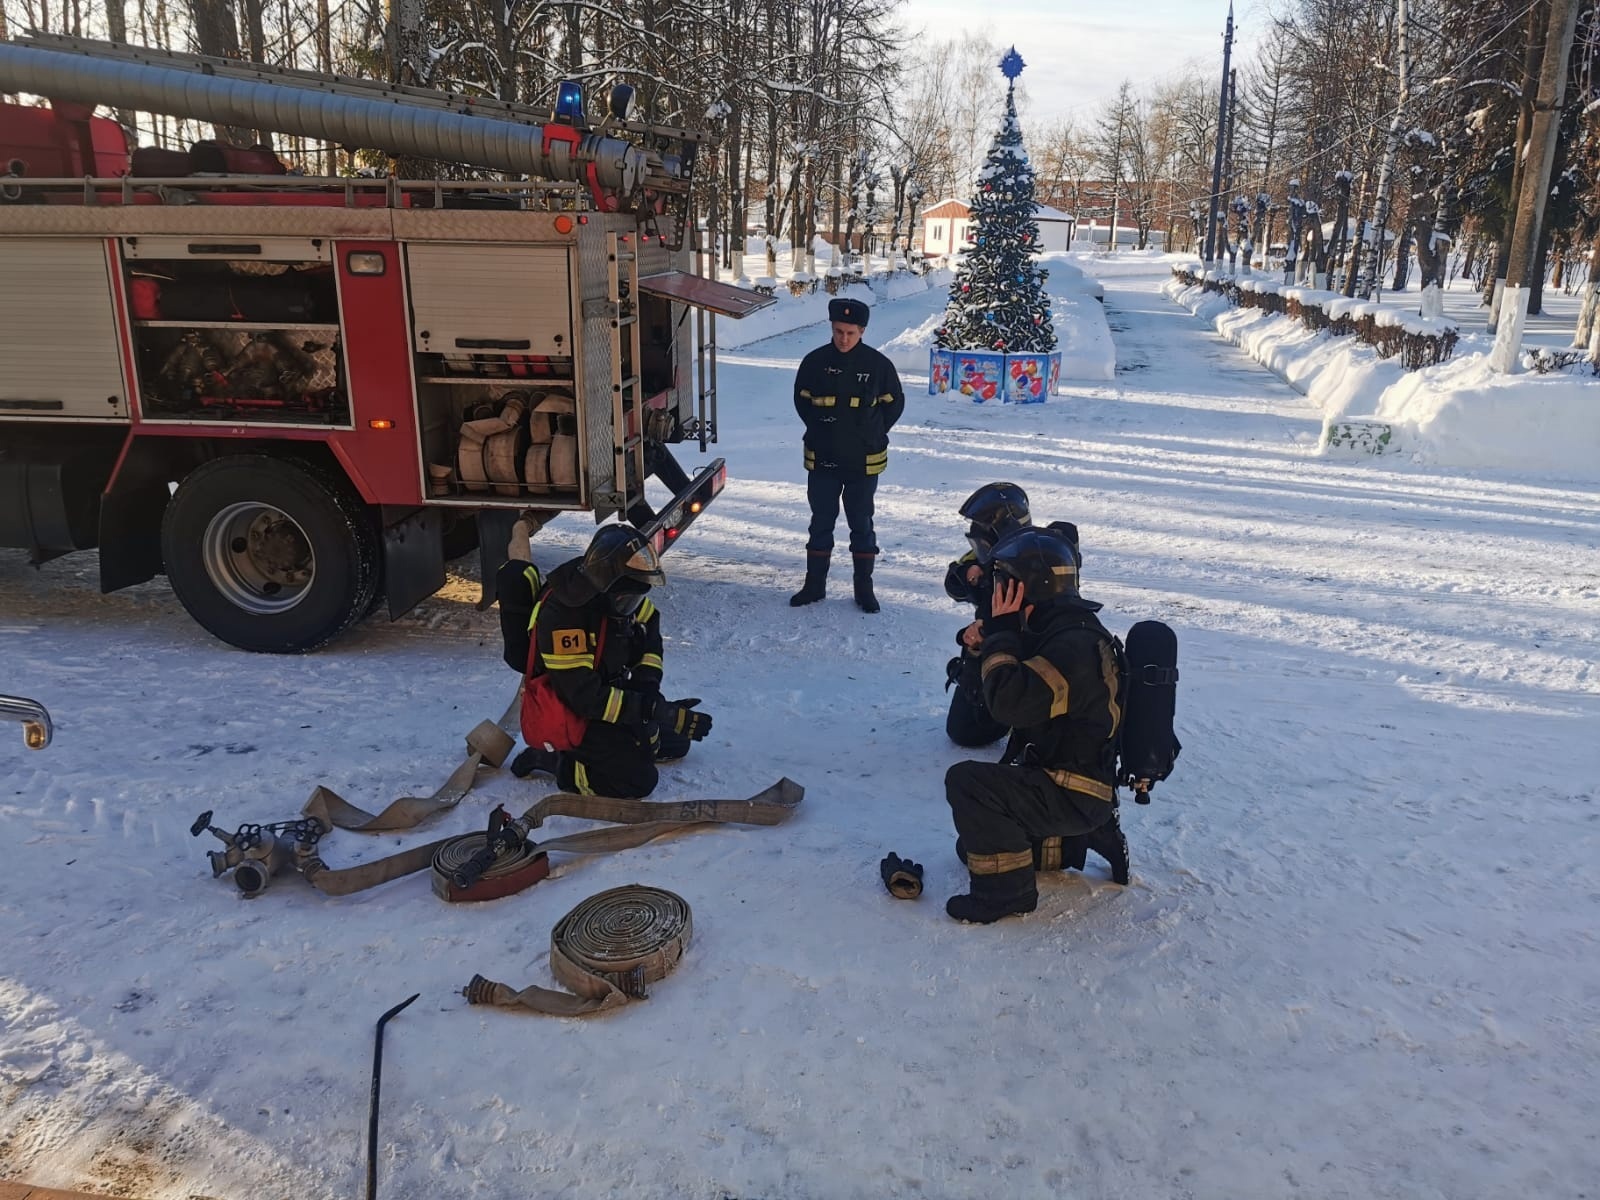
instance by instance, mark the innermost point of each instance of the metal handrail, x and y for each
(109, 188)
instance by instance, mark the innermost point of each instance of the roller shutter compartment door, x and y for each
(58, 330)
(476, 298)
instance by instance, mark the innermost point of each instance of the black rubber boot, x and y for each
(530, 760)
(1109, 843)
(865, 600)
(816, 585)
(994, 896)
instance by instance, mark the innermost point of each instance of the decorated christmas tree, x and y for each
(997, 299)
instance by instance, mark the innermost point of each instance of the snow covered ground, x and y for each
(1358, 958)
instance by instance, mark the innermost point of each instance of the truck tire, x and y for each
(268, 554)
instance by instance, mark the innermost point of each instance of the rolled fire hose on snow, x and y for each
(608, 950)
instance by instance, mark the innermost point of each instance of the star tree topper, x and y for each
(1011, 65)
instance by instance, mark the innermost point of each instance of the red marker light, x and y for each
(380, 423)
(671, 533)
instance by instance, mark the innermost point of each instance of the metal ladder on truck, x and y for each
(627, 398)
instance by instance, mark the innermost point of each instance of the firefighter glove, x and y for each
(1010, 622)
(901, 876)
(952, 672)
(679, 716)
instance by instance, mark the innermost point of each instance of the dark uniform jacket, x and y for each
(598, 682)
(848, 402)
(1056, 684)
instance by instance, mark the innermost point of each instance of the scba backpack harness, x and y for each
(1148, 747)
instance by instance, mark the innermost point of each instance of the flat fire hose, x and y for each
(489, 742)
(634, 822)
(608, 950)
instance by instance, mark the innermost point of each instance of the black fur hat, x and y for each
(848, 312)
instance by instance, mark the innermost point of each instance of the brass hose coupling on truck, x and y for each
(255, 853)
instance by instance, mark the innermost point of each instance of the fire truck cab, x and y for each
(298, 397)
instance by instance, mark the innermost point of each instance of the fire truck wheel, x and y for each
(268, 554)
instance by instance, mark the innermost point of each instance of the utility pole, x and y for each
(1391, 150)
(1229, 246)
(1222, 124)
(1535, 185)
(1532, 64)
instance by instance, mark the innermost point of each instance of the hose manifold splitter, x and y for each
(255, 853)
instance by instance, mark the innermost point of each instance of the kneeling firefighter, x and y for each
(994, 512)
(1052, 673)
(588, 641)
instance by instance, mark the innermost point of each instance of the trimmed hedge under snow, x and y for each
(1416, 341)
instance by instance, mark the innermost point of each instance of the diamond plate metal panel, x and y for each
(263, 220)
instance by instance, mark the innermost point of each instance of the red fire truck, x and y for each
(297, 397)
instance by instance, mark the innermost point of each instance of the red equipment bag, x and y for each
(145, 296)
(547, 722)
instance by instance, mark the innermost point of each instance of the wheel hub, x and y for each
(259, 557)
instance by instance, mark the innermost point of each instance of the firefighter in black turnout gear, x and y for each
(1051, 672)
(849, 397)
(589, 643)
(994, 512)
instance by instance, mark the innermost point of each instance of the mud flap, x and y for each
(494, 533)
(413, 560)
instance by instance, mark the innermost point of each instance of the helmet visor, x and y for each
(982, 540)
(625, 597)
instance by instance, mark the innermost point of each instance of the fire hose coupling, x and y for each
(255, 853)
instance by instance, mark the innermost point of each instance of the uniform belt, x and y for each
(1082, 783)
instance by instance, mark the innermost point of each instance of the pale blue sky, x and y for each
(1078, 53)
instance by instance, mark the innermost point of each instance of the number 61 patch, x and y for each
(570, 641)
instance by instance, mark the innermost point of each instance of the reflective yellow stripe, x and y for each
(811, 461)
(1046, 670)
(995, 661)
(1050, 854)
(855, 401)
(805, 393)
(646, 611)
(651, 660)
(824, 401)
(580, 779)
(613, 706)
(1108, 669)
(534, 619)
(886, 398)
(1082, 783)
(876, 463)
(568, 662)
(999, 864)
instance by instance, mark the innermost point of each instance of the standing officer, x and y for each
(592, 712)
(1050, 671)
(994, 512)
(849, 397)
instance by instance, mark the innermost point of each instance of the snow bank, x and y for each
(1465, 413)
(1458, 414)
(1083, 337)
(796, 312)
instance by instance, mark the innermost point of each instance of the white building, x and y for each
(947, 227)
